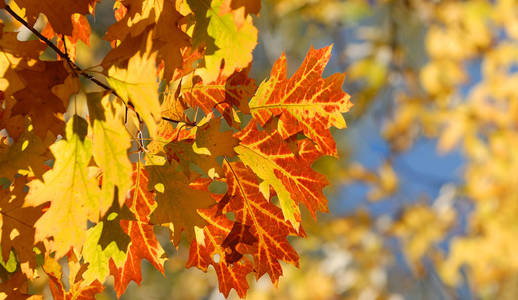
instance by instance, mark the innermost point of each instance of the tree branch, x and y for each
(72, 64)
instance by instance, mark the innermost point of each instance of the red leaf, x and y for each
(208, 250)
(222, 94)
(143, 241)
(270, 157)
(304, 103)
(264, 220)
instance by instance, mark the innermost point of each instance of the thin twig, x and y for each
(74, 67)
(58, 51)
(172, 120)
(5, 214)
(66, 53)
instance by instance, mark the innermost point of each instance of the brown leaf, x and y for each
(178, 201)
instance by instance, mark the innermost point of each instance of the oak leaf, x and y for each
(214, 142)
(98, 259)
(27, 155)
(17, 288)
(37, 100)
(9, 43)
(209, 144)
(138, 19)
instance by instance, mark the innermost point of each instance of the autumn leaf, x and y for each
(143, 245)
(304, 103)
(168, 42)
(28, 155)
(110, 146)
(143, 241)
(149, 23)
(68, 44)
(178, 199)
(221, 94)
(78, 289)
(209, 144)
(214, 142)
(265, 220)
(98, 258)
(37, 98)
(233, 43)
(185, 154)
(71, 190)
(16, 288)
(58, 12)
(142, 200)
(106, 241)
(17, 223)
(206, 250)
(291, 177)
(9, 43)
(137, 83)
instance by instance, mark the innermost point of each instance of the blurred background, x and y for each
(424, 196)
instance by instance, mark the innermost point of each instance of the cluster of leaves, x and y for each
(179, 137)
(454, 104)
(484, 125)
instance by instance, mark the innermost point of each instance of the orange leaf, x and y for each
(222, 94)
(292, 178)
(37, 100)
(304, 103)
(138, 19)
(57, 11)
(143, 241)
(265, 220)
(78, 290)
(207, 250)
(81, 31)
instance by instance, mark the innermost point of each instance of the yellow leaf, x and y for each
(71, 190)
(110, 148)
(137, 83)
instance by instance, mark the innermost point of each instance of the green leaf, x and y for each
(234, 42)
(10, 264)
(97, 258)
